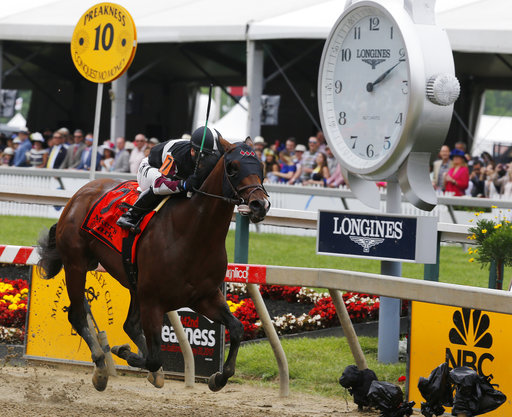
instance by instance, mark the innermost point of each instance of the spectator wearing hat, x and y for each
(457, 178)
(259, 146)
(7, 156)
(308, 162)
(37, 156)
(86, 159)
(107, 160)
(297, 160)
(122, 157)
(20, 153)
(74, 152)
(137, 154)
(58, 151)
(151, 142)
(270, 166)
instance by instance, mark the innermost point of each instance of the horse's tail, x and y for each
(50, 262)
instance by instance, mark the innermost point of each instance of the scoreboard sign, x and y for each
(460, 337)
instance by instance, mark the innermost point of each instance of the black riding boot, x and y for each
(131, 219)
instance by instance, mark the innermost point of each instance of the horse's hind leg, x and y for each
(216, 309)
(77, 316)
(132, 327)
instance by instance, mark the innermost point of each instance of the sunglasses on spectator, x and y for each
(57, 136)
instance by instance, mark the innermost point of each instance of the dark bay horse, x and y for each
(181, 260)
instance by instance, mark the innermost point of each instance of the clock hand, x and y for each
(369, 86)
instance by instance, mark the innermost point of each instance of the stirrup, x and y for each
(132, 227)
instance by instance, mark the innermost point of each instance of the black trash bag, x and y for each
(437, 390)
(358, 383)
(474, 394)
(389, 399)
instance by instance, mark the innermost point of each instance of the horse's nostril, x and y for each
(256, 205)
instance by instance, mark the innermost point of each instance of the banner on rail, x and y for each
(386, 237)
(461, 337)
(50, 335)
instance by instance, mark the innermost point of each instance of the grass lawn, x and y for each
(315, 364)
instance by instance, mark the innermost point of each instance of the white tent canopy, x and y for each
(472, 25)
(492, 130)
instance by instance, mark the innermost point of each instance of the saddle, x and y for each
(101, 223)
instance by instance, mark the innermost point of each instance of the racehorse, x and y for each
(181, 259)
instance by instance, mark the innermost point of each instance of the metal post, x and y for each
(348, 329)
(118, 107)
(96, 132)
(242, 256)
(188, 355)
(431, 271)
(389, 311)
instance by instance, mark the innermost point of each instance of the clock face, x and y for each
(364, 89)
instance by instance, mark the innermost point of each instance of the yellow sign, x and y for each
(104, 42)
(463, 337)
(49, 333)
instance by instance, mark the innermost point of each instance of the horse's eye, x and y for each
(232, 169)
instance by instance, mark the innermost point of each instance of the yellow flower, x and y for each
(497, 226)
(471, 259)
(477, 214)
(494, 206)
(484, 231)
(475, 251)
(13, 307)
(471, 220)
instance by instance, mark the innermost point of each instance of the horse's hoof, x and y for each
(157, 378)
(121, 350)
(213, 382)
(100, 378)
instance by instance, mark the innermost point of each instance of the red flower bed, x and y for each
(361, 308)
(13, 310)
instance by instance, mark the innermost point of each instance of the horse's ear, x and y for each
(224, 144)
(248, 141)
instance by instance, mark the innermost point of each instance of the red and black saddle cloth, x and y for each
(102, 217)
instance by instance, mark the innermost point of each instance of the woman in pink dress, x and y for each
(457, 178)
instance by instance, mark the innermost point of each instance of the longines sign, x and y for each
(386, 237)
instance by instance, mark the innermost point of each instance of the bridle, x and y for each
(237, 199)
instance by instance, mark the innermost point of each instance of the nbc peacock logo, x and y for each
(471, 329)
(470, 332)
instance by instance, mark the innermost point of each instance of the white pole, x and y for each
(96, 132)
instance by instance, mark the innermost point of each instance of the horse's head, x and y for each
(243, 179)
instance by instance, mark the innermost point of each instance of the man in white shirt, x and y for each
(137, 155)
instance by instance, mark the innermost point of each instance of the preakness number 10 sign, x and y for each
(104, 42)
(385, 237)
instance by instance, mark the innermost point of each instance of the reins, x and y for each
(238, 200)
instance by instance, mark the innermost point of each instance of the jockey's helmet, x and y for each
(210, 139)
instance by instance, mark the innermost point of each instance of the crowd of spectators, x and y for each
(292, 163)
(286, 162)
(60, 149)
(457, 173)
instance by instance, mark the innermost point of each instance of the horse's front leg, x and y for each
(216, 309)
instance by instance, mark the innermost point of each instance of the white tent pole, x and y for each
(118, 107)
(254, 87)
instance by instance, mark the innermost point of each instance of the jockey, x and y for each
(169, 169)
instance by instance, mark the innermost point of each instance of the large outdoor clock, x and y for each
(386, 90)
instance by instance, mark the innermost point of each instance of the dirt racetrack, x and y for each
(48, 390)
